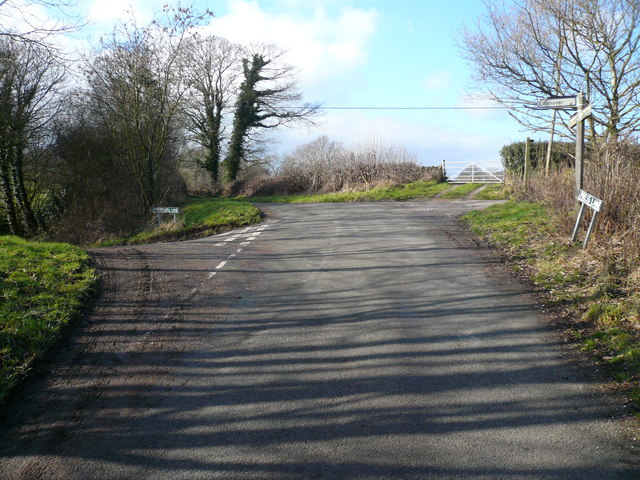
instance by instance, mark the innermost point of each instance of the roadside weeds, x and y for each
(596, 299)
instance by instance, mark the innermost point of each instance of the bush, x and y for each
(97, 195)
(326, 166)
(266, 186)
(612, 173)
(512, 155)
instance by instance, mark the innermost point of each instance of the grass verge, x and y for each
(199, 216)
(600, 301)
(461, 190)
(43, 286)
(497, 191)
(410, 191)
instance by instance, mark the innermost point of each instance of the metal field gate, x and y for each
(473, 172)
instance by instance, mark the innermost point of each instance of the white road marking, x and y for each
(251, 234)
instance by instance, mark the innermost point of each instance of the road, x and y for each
(334, 341)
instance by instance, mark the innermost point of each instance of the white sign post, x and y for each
(558, 103)
(586, 200)
(160, 210)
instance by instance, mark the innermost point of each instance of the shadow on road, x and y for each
(342, 359)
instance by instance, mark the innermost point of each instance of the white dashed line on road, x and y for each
(251, 233)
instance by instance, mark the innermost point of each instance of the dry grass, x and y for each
(613, 175)
(324, 166)
(599, 286)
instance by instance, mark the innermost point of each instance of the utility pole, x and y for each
(579, 146)
(550, 145)
(527, 163)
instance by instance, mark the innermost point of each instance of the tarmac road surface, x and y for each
(334, 341)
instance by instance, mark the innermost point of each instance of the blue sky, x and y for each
(363, 53)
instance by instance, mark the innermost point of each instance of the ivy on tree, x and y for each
(263, 108)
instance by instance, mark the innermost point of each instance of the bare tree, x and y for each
(268, 98)
(29, 100)
(537, 48)
(34, 20)
(317, 164)
(326, 165)
(213, 67)
(136, 88)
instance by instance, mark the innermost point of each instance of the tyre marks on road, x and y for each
(246, 236)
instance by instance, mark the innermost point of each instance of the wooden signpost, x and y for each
(583, 112)
(577, 120)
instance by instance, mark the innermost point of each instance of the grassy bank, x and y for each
(600, 299)
(422, 190)
(42, 287)
(199, 216)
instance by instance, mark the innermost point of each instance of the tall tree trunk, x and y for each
(8, 201)
(212, 160)
(235, 154)
(21, 195)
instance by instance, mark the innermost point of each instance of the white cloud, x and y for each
(22, 16)
(103, 14)
(326, 48)
(438, 81)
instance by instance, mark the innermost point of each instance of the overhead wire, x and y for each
(415, 108)
(321, 107)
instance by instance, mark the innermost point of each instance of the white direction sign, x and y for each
(589, 200)
(580, 115)
(558, 102)
(173, 210)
